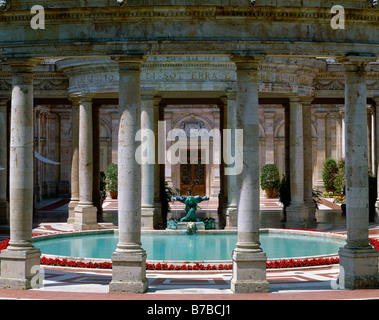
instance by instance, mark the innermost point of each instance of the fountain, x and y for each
(191, 222)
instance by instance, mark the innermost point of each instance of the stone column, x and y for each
(231, 180)
(376, 164)
(74, 201)
(308, 163)
(148, 212)
(321, 146)
(115, 122)
(270, 147)
(297, 212)
(249, 260)
(287, 124)
(20, 261)
(358, 259)
(85, 211)
(4, 205)
(129, 259)
(157, 168)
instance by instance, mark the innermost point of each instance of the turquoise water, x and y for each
(190, 247)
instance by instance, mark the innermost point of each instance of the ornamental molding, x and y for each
(90, 14)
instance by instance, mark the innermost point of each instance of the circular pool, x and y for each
(183, 247)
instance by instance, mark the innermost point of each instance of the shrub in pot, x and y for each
(112, 180)
(329, 174)
(270, 179)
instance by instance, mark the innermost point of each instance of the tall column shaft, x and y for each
(4, 204)
(321, 146)
(148, 212)
(85, 211)
(74, 201)
(308, 163)
(249, 260)
(231, 180)
(297, 212)
(376, 146)
(270, 147)
(358, 260)
(129, 259)
(20, 260)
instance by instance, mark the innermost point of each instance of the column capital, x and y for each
(74, 100)
(247, 62)
(25, 65)
(129, 63)
(147, 95)
(304, 100)
(355, 63)
(231, 95)
(376, 100)
(85, 99)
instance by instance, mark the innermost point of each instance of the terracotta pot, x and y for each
(270, 193)
(113, 194)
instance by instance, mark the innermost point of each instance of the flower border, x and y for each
(272, 264)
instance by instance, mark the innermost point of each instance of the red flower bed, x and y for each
(74, 264)
(274, 264)
(291, 263)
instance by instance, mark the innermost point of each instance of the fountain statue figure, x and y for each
(191, 206)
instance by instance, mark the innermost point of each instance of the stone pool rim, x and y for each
(65, 234)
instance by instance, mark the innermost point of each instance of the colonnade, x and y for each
(18, 261)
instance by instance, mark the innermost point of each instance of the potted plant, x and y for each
(270, 179)
(112, 180)
(329, 174)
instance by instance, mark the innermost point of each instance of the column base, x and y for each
(20, 269)
(71, 211)
(311, 218)
(297, 216)
(358, 268)
(249, 271)
(148, 217)
(85, 218)
(231, 218)
(4, 212)
(129, 272)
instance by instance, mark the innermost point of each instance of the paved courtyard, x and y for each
(311, 283)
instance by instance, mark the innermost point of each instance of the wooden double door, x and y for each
(192, 178)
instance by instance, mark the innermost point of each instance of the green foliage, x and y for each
(103, 186)
(270, 179)
(339, 181)
(329, 173)
(112, 177)
(340, 199)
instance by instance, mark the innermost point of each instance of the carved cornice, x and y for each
(89, 14)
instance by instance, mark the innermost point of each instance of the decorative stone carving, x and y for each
(5, 85)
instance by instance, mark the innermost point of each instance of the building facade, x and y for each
(76, 92)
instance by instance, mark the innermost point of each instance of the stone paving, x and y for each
(317, 283)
